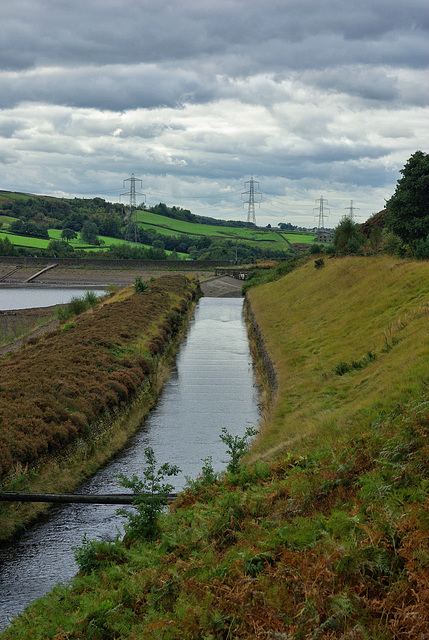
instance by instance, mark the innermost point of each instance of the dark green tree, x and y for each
(347, 238)
(409, 206)
(89, 232)
(68, 234)
(59, 248)
(6, 247)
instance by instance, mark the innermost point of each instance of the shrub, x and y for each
(94, 554)
(150, 497)
(140, 285)
(76, 306)
(316, 248)
(345, 367)
(347, 238)
(237, 447)
(91, 298)
(207, 477)
(68, 326)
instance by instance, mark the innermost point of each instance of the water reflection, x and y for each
(211, 386)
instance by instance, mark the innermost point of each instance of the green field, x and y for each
(6, 220)
(55, 234)
(292, 236)
(6, 196)
(24, 241)
(263, 238)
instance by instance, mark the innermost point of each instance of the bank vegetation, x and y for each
(323, 531)
(69, 392)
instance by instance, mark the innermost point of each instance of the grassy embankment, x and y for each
(70, 399)
(327, 537)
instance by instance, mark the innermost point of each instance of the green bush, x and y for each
(237, 447)
(345, 367)
(91, 298)
(207, 477)
(77, 305)
(140, 285)
(94, 554)
(68, 326)
(150, 497)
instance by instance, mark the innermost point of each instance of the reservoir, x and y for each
(33, 296)
(211, 386)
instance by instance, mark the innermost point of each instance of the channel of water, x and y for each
(211, 386)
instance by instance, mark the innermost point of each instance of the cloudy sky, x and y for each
(312, 99)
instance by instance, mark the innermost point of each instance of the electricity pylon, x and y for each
(132, 230)
(321, 212)
(251, 202)
(350, 210)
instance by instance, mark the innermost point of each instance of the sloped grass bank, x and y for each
(325, 532)
(82, 387)
(366, 314)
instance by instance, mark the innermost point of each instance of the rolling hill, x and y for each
(168, 229)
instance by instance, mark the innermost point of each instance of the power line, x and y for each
(251, 202)
(132, 230)
(351, 209)
(321, 212)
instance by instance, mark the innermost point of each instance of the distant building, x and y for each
(324, 236)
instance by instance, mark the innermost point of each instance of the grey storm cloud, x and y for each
(329, 94)
(110, 87)
(241, 37)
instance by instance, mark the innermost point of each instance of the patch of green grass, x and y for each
(6, 220)
(25, 241)
(264, 238)
(305, 238)
(7, 196)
